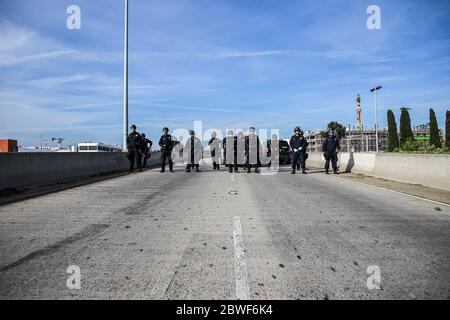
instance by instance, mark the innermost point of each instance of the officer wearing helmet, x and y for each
(134, 149)
(166, 144)
(299, 146)
(193, 152)
(229, 144)
(252, 149)
(146, 145)
(330, 150)
(215, 147)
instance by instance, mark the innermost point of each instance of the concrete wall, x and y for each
(427, 169)
(22, 169)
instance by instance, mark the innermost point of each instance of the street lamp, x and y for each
(125, 81)
(376, 115)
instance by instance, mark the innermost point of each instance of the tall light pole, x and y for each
(376, 115)
(125, 81)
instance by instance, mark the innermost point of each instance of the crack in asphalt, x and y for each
(85, 233)
(89, 231)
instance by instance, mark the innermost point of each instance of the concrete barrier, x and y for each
(432, 170)
(23, 169)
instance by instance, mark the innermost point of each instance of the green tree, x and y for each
(392, 131)
(447, 129)
(405, 127)
(435, 138)
(338, 128)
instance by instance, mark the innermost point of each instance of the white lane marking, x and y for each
(398, 192)
(242, 288)
(233, 179)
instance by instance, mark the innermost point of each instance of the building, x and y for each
(8, 146)
(354, 141)
(363, 141)
(97, 147)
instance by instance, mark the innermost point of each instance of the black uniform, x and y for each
(330, 148)
(193, 149)
(146, 145)
(298, 157)
(166, 144)
(230, 160)
(134, 150)
(252, 147)
(214, 145)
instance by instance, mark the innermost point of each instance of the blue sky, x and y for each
(230, 64)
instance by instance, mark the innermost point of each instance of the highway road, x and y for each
(212, 235)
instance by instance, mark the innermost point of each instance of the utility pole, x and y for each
(376, 116)
(125, 81)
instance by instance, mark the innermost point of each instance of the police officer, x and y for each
(330, 150)
(298, 145)
(134, 148)
(273, 152)
(252, 147)
(214, 146)
(193, 149)
(166, 144)
(146, 145)
(230, 151)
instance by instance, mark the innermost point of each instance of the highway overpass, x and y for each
(212, 235)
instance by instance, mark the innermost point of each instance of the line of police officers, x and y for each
(238, 150)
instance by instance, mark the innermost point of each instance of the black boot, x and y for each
(293, 171)
(304, 171)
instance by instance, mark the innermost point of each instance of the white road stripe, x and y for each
(242, 289)
(233, 179)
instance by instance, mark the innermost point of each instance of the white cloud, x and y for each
(52, 81)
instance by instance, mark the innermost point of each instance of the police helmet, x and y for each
(191, 132)
(166, 129)
(133, 126)
(297, 129)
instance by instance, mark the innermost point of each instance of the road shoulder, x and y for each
(416, 190)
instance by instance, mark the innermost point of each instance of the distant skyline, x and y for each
(229, 63)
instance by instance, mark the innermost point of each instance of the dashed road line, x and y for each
(242, 288)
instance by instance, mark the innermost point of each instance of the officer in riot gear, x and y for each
(273, 152)
(299, 146)
(193, 150)
(134, 149)
(214, 145)
(146, 145)
(330, 150)
(166, 144)
(229, 144)
(252, 149)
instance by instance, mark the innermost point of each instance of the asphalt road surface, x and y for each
(213, 235)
